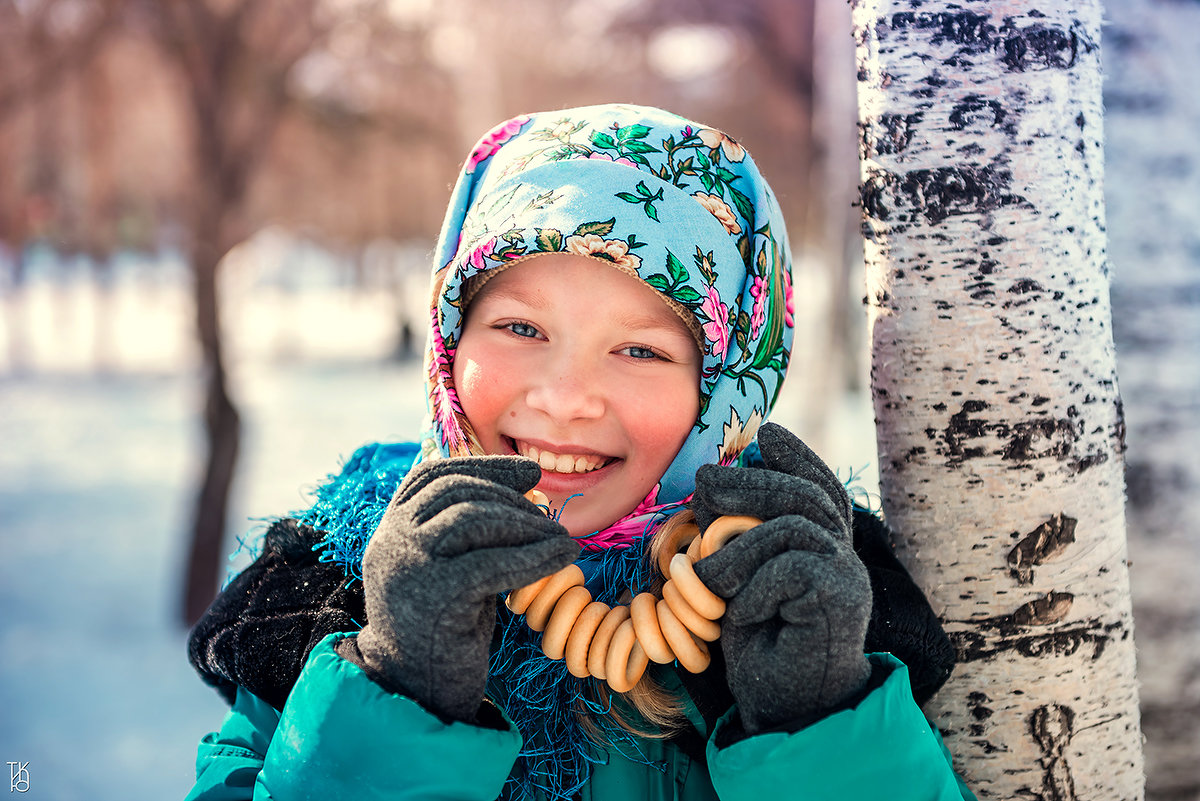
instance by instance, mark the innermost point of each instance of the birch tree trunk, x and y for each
(1000, 427)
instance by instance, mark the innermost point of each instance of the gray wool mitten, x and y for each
(456, 533)
(799, 599)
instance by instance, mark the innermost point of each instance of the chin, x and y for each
(579, 523)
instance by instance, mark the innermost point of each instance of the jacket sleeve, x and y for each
(881, 748)
(228, 761)
(340, 735)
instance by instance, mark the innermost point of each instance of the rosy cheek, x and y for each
(661, 425)
(468, 377)
(483, 393)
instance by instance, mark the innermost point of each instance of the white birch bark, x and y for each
(1000, 427)
(1152, 194)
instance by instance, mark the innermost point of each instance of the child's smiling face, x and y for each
(584, 369)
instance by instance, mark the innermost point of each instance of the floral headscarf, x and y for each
(678, 205)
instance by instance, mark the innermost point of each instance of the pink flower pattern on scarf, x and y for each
(443, 400)
(789, 318)
(716, 330)
(493, 139)
(759, 292)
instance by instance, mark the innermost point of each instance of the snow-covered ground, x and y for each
(99, 447)
(95, 690)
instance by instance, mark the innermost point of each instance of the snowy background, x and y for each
(96, 468)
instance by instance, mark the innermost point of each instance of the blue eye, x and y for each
(638, 352)
(523, 330)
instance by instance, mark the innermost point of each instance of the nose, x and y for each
(567, 390)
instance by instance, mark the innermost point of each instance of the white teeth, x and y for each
(560, 463)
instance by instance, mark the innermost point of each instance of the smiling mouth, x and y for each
(553, 462)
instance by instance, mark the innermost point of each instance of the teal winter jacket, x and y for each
(341, 736)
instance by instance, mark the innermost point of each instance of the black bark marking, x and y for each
(1052, 727)
(963, 427)
(988, 747)
(1036, 47)
(1039, 546)
(1024, 441)
(973, 109)
(891, 133)
(944, 191)
(1025, 285)
(1039, 439)
(973, 32)
(980, 290)
(974, 646)
(873, 192)
(976, 705)
(1119, 425)
(1077, 466)
(1044, 611)
(1040, 47)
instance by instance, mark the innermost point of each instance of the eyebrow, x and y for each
(650, 322)
(629, 321)
(533, 299)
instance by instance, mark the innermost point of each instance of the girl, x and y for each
(610, 325)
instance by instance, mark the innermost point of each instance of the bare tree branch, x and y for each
(45, 60)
